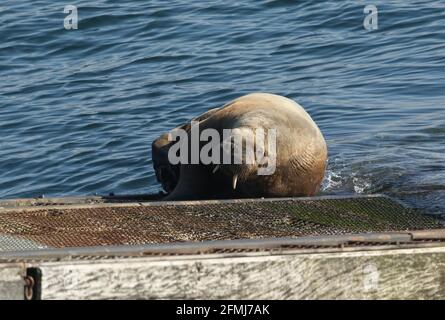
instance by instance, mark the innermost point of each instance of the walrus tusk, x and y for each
(235, 179)
(215, 169)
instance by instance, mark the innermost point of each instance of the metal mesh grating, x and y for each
(226, 220)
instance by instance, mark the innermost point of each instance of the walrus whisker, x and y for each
(216, 168)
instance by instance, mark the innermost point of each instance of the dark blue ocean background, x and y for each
(79, 108)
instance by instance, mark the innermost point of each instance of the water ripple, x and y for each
(79, 108)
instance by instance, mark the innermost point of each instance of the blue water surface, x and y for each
(79, 108)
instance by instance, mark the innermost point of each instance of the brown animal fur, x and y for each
(301, 154)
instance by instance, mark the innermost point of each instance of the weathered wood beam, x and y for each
(389, 274)
(12, 283)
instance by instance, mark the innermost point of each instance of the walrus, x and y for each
(300, 153)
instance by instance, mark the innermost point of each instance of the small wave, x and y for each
(331, 181)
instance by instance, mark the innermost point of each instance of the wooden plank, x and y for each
(11, 281)
(150, 200)
(391, 274)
